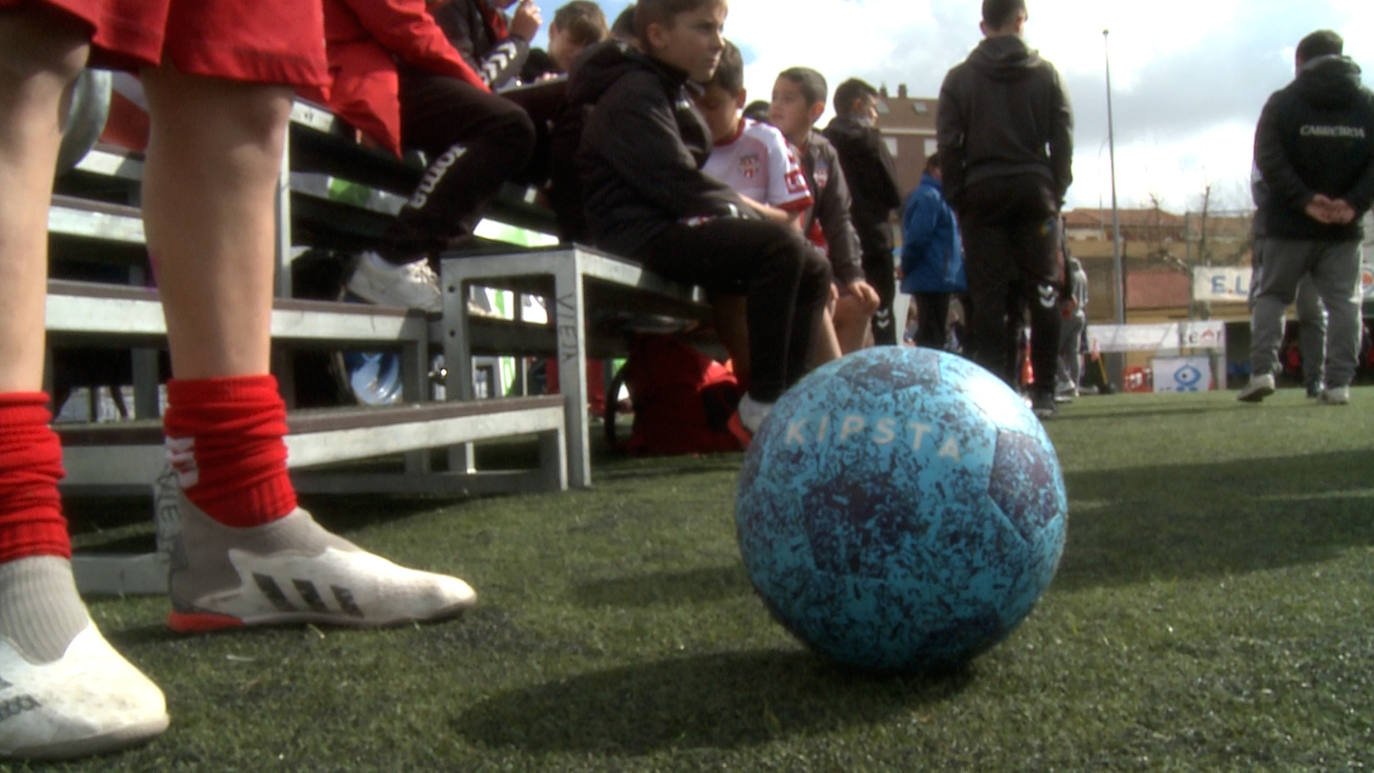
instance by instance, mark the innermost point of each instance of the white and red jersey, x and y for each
(759, 163)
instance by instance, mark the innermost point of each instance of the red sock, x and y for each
(31, 522)
(224, 439)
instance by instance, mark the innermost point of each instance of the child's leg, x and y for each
(213, 157)
(40, 56)
(475, 141)
(66, 692)
(825, 342)
(852, 326)
(786, 284)
(248, 555)
(731, 318)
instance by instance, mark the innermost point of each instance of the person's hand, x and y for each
(864, 291)
(524, 23)
(1319, 208)
(1324, 209)
(1341, 212)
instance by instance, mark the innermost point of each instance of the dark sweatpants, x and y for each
(785, 281)
(475, 141)
(1010, 229)
(880, 272)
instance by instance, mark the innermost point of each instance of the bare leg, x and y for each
(852, 326)
(77, 695)
(825, 346)
(42, 55)
(213, 159)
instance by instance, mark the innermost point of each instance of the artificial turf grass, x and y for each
(1210, 613)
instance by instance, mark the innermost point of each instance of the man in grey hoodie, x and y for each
(1005, 134)
(1314, 146)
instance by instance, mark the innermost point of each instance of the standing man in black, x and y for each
(872, 178)
(1005, 134)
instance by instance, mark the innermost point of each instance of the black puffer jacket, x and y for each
(641, 150)
(1316, 135)
(1000, 110)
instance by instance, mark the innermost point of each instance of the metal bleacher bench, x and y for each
(592, 297)
(95, 216)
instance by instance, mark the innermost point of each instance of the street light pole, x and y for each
(1119, 279)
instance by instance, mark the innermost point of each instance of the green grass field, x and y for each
(1212, 611)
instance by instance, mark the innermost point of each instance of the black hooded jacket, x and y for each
(1316, 135)
(496, 59)
(872, 178)
(641, 150)
(1004, 112)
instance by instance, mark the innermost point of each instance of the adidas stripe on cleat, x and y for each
(294, 571)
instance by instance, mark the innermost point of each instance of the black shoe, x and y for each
(1044, 405)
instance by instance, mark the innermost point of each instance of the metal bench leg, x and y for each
(572, 367)
(457, 358)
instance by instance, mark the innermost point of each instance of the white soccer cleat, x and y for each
(413, 285)
(88, 701)
(294, 571)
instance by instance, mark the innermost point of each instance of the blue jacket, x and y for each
(932, 255)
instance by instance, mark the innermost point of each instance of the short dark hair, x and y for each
(757, 110)
(1320, 43)
(811, 83)
(624, 25)
(933, 161)
(583, 21)
(850, 90)
(663, 12)
(999, 13)
(729, 73)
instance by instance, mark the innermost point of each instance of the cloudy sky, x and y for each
(1188, 76)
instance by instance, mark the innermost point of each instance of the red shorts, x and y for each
(280, 41)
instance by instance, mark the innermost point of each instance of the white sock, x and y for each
(40, 611)
(752, 412)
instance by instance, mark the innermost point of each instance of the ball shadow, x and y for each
(723, 700)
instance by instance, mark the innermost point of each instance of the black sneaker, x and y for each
(1043, 404)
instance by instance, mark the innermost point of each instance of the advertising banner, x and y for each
(1182, 374)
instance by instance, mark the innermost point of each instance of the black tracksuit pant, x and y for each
(475, 141)
(785, 280)
(1010, 229)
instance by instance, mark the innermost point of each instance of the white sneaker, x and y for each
(413, 285)
(1335, 396)
(1259, 388)
(88, 701)
(294, 571)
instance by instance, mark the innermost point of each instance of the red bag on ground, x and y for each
(682, 398)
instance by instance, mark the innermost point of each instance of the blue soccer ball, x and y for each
(901, 509)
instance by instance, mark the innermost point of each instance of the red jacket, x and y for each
(365, 40)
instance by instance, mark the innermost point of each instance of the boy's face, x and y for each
(692, 41)
(721, 112)
(790, 111)
(561, 48)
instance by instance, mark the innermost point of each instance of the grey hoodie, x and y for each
(1004, 112)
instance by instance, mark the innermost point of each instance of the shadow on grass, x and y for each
(1069, 414)
(725, 700)
(692, 586)
(1188, 521)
